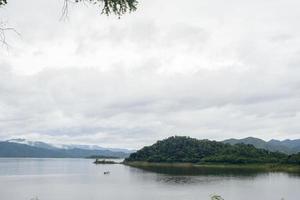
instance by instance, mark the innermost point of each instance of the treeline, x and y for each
(190, 150)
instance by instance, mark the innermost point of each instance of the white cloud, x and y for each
(181, 68)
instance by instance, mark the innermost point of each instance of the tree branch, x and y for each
(3, 2)
(116, 7)
(3, 29)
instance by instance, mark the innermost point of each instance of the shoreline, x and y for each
(265, 167)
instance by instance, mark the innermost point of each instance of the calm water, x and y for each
(80, 179)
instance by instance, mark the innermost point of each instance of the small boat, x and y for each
(107, 172)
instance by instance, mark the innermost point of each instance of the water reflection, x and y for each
(190, 171)
(176, 179)
(190, 180)
(196, 175)
(191, 176)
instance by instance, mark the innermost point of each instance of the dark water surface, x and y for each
(80, 179)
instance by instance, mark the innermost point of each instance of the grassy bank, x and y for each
(212, 166)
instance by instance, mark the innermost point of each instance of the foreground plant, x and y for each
(216, 197)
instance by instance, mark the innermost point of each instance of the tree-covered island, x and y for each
(180, 149)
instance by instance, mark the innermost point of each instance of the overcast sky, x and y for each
(203, 68)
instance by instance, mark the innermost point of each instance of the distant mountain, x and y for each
(95, 147)
(293, 144)
(66, 146)
(32, 143)
(24, 148)
(285, 146)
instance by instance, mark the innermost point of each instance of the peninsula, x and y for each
(186, 151)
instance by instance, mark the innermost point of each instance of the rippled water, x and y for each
(80, 179)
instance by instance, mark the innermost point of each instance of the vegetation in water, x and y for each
(216, 197)
(98, 161)
(181, 149)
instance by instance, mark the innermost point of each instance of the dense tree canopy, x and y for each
(185, 149)
(294, 159)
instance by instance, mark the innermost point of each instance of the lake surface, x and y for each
(80, 179)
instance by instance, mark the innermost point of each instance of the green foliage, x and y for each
(97, 161)
(216, 197)
(3, 2)
(293, 159)
(177, 149)
(117, 7)
(186, 149)
(245, 154)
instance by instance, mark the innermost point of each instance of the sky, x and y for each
(208, 69)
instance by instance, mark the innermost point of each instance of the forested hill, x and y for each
(190, 150)
(284, 146)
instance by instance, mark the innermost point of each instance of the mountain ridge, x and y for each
(66, 146)
(287, 146)
(36, 149)
(18, 146)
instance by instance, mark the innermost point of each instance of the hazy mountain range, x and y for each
(65, 146)
(285, 146)
(26, 148)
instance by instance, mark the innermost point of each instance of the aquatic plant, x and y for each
(216, 197)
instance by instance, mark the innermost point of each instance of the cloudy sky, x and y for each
(203, 68)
